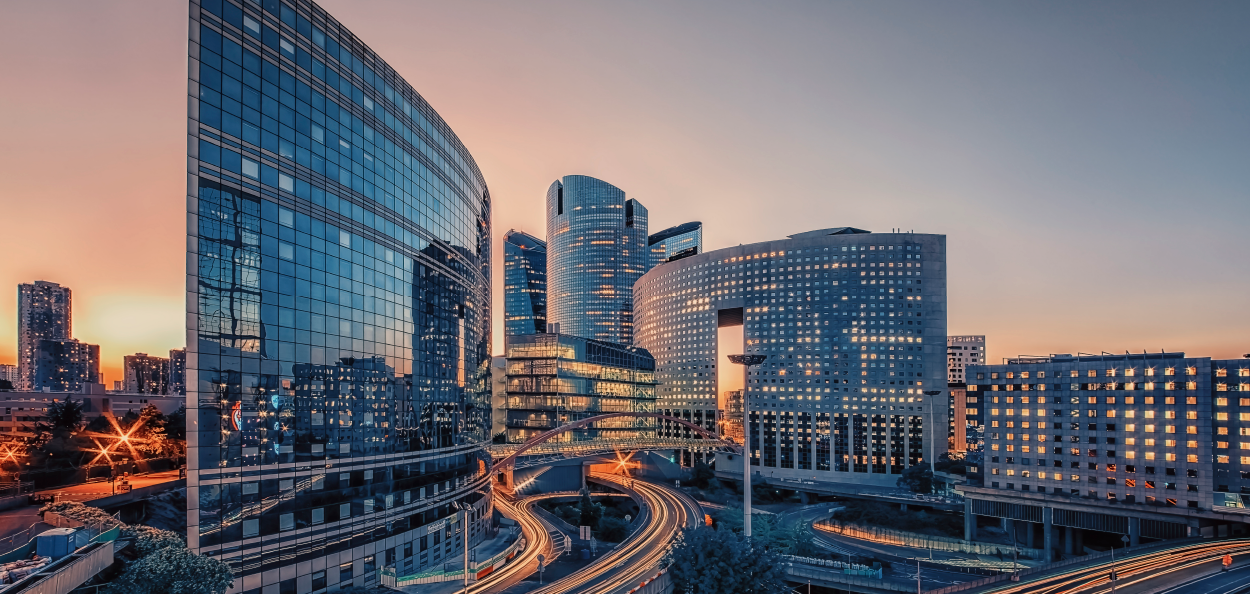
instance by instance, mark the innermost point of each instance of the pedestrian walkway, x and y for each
(483, 551)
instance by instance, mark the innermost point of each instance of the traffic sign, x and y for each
(584, 532)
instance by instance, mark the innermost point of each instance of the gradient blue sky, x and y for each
(1089, 162)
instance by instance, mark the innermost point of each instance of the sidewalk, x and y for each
(101, 489)
(485, 550)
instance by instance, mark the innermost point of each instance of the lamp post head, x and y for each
(748, 360)
(932, 392)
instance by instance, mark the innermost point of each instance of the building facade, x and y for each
(675, 243)
(524, 284)
(1151, 445)
(23, 409)
(145, 374)
(65, 365)
(962, 351)
(853, 325)
(10, 374)
(43, 312)
(597, 249)
(178, 372)
(555, 379)
(338, 344)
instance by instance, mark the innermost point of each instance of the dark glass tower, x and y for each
(338, 348)
(597, 248)
(675, 243)
(43, 313)
(524, 284)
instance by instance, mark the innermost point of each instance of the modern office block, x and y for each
(178, 372)
(43, 312)
(853, 325)
(676, 243)
(338, 344)
(962, 351)
(596, 250)
(555, 379)
(1150, 445)
(65, 365)
(145, 374)
(524, 284)
(10, 374)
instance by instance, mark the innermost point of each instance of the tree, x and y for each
(701, 474)
(148, 540)
(917, 478)
(952, 463)
(710, 561)
(590, 511)
(62, 418)
(5, 385)
(613, 529)
(173, 570)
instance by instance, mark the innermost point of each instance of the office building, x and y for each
(852, 323)
(145, 374)
(1150, 446)
(65, 365)
(597, 249)
(43, 312)
(555, 379)
(676, 243)
(9, 374)
(339, 268)
(178, 371)
(962, 351)
(524, 284)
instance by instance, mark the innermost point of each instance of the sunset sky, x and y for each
(1088, 162)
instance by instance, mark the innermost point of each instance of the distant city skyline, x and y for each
(1086, 188)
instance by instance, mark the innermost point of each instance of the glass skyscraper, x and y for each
(43, 313)
(338, 344)
(524, 284)
(675, 243)
(597, 248)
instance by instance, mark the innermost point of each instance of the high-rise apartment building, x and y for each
(178, 372)
(524, 284)
(962, 351)
(339, 273)
(9, 374)
(675, 243)
(43, 312)
(852, 324)
(65, 365)
(1149, 445)
(145, 374)
(554, 380)
(596, 250)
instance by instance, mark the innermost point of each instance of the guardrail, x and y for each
(902, 538)
(387, 575)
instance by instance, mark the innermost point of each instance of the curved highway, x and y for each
(538, 541)
(665, 513)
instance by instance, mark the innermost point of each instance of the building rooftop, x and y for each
(659, 236)
(830, 231)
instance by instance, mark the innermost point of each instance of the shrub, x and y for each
(148, 540)
(89, 516)
(173, 570)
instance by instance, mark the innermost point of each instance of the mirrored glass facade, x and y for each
(524, 284)
(854, 327)
(675, 243)
(338, 344)
(597, 249)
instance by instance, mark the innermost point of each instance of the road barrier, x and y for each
(922, 541)
(387, 575)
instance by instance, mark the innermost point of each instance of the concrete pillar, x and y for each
(1006, 524)
(1079, 545)
(1069, 534)
(1134, 531)
(805, 498)
(1048, 534)
(1028, 535)
(970, 522)
(902, 507)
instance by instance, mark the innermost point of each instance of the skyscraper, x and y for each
(339, 293)
(43, 312)
(675, 243)
(853, 325)
(178, 372)
(64, 365)
(145, 374)
(597, 249)
(524, 284)
(962, 351)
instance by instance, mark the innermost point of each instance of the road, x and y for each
(1233, 581)
(666, 512)
(538, 536)
(98, 490)
(1140, 573)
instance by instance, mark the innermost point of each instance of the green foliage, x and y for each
(176, 424)
(613, 529)
(952, 463)
(917, 478)
(885, 515)
(710, 561)
(590, 512)
(500, 437)
(701, 475)
(173, 570)
(767, 533)
(148, 540)
(5, 385)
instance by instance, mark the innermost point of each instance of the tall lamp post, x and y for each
(932, 394)
(464, 509)
(747, 362)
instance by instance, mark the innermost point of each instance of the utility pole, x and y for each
(464, 537)
(918, 591)
(747, 362)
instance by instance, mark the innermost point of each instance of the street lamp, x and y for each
(747, 362)
(464, 509)
(932, 394)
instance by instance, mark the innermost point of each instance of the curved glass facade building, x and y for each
(675, 243)
(597, 249)
(524, 284)
(854, 327)
(338, 296)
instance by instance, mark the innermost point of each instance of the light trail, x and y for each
(538, 541)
